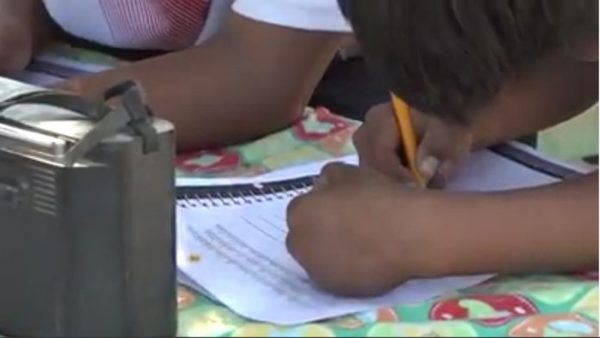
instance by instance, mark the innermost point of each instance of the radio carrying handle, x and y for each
(130, 112)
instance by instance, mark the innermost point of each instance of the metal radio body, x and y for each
(87, 233)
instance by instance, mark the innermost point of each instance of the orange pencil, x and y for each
(409, 138)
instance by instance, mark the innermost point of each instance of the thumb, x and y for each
(427, 161)
(440, 152)
(435, 160)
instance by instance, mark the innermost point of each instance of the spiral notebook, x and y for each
(231, 238)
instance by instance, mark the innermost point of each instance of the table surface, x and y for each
(508, 306)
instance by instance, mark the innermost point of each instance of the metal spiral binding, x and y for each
(224, 196)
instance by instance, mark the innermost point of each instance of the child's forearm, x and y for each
(548, 229)
(560, 88)
(250, 79)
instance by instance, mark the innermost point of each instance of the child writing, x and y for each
(475, 73)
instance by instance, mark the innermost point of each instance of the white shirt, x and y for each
(318, 15)
(102, 21)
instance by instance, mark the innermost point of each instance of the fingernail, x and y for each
(429, 166)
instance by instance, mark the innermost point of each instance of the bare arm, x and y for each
(558, 89)
(25, 28)
(548, 229)
(250, 79)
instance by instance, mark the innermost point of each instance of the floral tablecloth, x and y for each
(510, 306)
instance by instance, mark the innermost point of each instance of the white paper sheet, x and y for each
(244, 264)
(242, 259)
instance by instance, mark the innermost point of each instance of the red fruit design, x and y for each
(185, 298)
(208, 161)
(319, 125)
(587, 275)
(496, 310)
(387, 315)
(550, 325)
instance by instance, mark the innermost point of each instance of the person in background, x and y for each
(475, 73)
(231, 74)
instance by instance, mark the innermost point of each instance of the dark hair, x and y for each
(450, 57)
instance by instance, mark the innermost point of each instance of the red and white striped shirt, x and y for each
(178, 24)
(139, 24)
(171, 24)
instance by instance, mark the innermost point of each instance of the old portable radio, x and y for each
(87, 233)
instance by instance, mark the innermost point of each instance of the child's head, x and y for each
(450, 57)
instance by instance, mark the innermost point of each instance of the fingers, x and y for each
(294, 214)
(442, 149)
(428, 158)
(299, 208)
(300, 214)
(337, 171)
(377, 142)
(332, 173)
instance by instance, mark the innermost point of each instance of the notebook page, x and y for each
(245, 265)
(487, 171)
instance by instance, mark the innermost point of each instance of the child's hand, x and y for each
(442, 147)
(361, 233)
